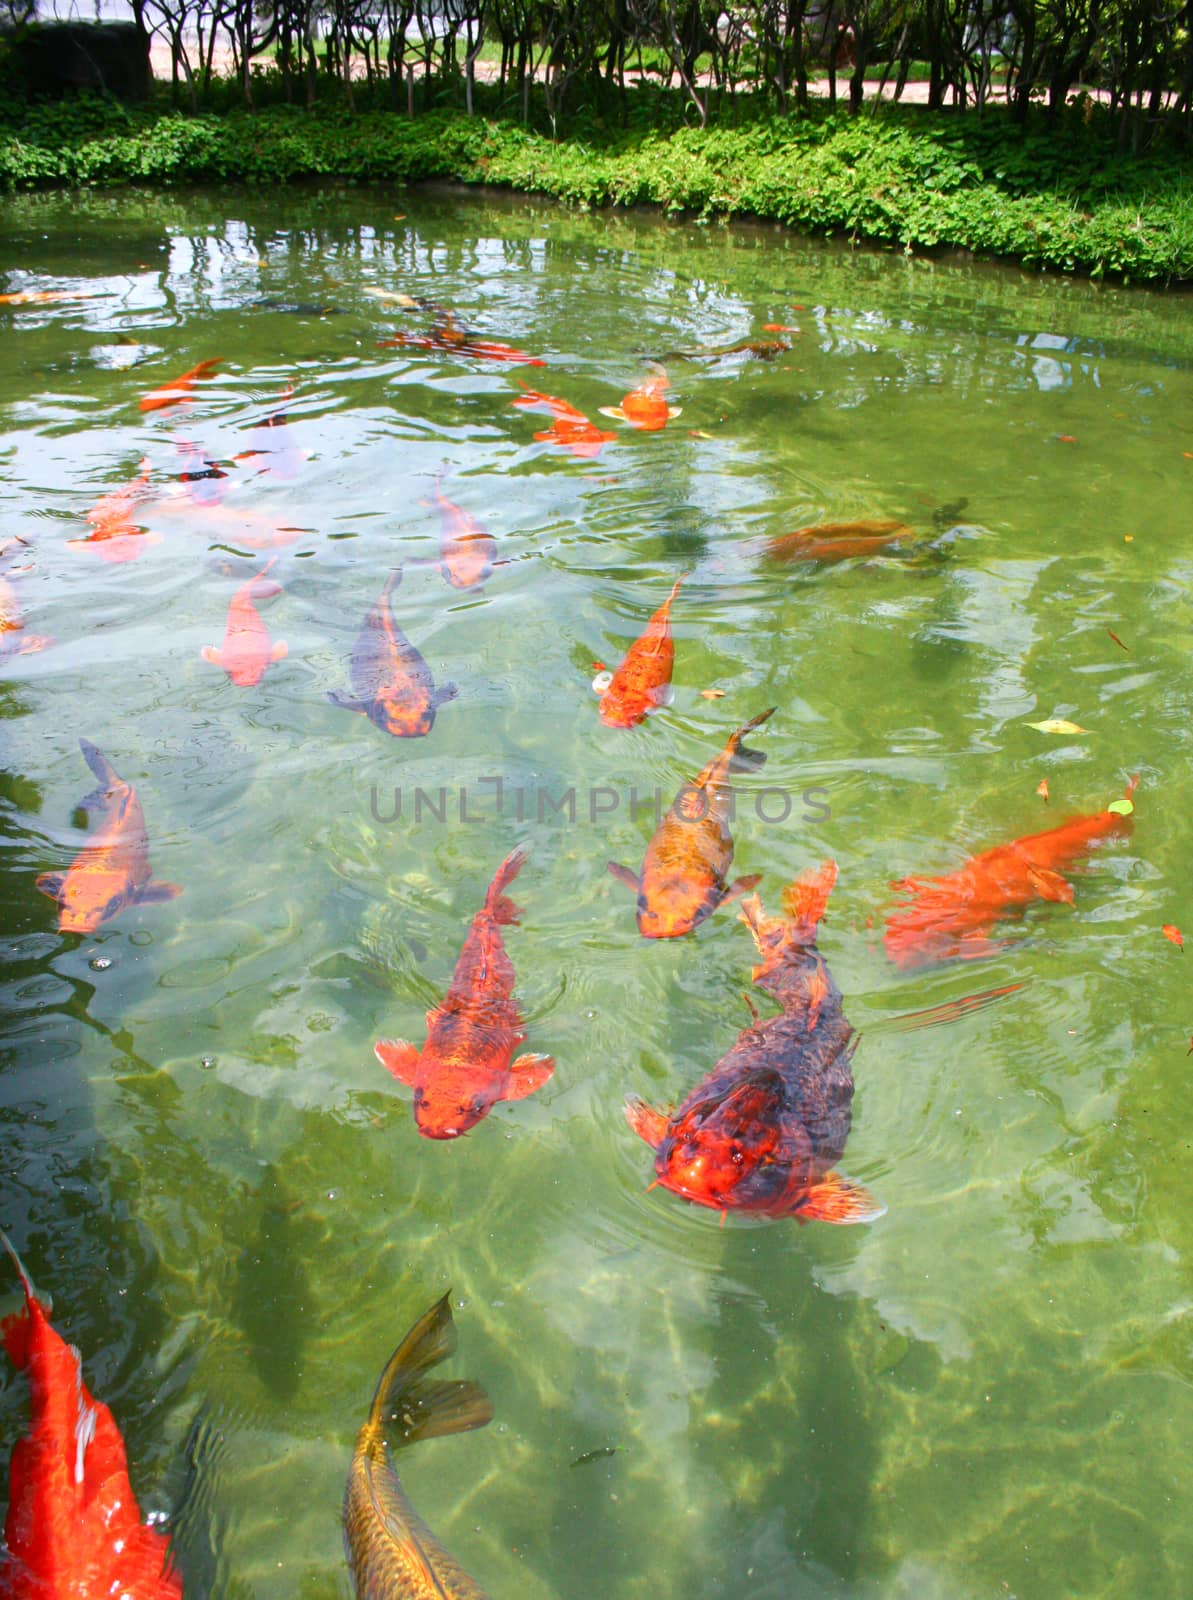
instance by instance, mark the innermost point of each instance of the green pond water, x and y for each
(986, 1392)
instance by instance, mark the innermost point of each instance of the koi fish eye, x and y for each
(601, 682)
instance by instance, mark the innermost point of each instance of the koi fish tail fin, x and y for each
(206, 368)
(498, 904)
(741, 757)
(101, 767)
(805, 899)
(15, 1326)
(423, 1407)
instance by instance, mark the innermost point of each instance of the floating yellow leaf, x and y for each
(712, 694)
(698, 433)
(1121, 808)
(1058, 725)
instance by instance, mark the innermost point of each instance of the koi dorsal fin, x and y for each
(805, 899)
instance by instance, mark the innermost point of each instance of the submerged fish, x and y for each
(448, 334)
(763, 1131)
(112, 869)
(391, 683)
(683, 873)
(642, 682)
(247, 650)
(179, 389)
(953, 916)
(44, 297)
(646, 406)
(569, 428)
(114, 535)
(272, 443)
(74, 1529)
(839, 541)
(391, 1552)
(763, 349)
(14, 641)
(467, 1062)
(466, 549)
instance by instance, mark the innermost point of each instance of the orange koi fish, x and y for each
(465, 1065)
(953, 916)
(642, 683)
(112, 869)
(762, 1133)
(74, 1528)
(466, 549)
(392, 1554)
(179, 389)
(763, 349)
(14, 641)
(114, 535)
(44, 297)
(646, 407)
(569, 428)
(839, 541)
(247, 650)
(683, 873)
(206, 481)
(392, 684)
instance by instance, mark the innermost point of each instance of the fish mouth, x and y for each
(654, 927)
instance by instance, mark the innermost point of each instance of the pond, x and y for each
(986, 1391)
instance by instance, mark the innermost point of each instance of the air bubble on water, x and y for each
(333, 1194)
(100, 963)
(207, 1063)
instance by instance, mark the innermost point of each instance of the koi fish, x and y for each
(206, 480)
(465, 1065)
(44, 297)
(448, 334)
(391, 1552)
(392, 684)
(178, 389)
(683, 873)
(14, 641)
(466, 550)
(953, 916)
(112, 869)
(763, 349)
(762, 1132)
(114, 535)
(642, 683)
(247, 651)
(569, 428)
(272, 441)
(839, 541)
(645, 407)
(233, 524)
(74, 1528)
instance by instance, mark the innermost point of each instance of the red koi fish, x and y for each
(206, 481)
(448, 334)
(642, 683)
(392, 684)
(569, 428)
(763, 1131)
(74, 1529)
(114, 535)
(247, 651)
(466, 549)
(683, 873)
(14, 641)
(465, 1065)
(646, 407)
(953, 916)
(839, 541)
(179, 389)
(112, 869)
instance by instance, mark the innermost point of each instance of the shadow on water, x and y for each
(271, 1299)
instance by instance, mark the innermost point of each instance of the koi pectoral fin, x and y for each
(346, 701)
(212, 655)
(398, 1057)
(741, 886)
(50, 883)
(280, 651)
(527, 1073)
(624, 875)
(444, 693)
(1050, 885)
(646, 1122)
(836, 1198)
(158, 891)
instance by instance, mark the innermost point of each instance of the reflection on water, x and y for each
(988, 1390)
